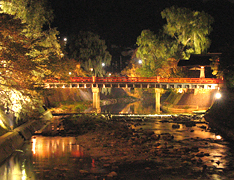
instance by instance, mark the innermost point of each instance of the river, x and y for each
(61, 158)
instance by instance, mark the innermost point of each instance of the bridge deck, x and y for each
(135, 82)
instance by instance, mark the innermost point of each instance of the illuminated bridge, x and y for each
(133, 82)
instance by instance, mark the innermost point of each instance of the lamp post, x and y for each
(65, 41)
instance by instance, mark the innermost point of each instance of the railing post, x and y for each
(158, 79)
(94, 79)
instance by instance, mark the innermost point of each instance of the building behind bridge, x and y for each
(200, 65)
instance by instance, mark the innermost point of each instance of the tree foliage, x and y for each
(45, 48)
(29, 53)
(17, 77)
(35, 13)
(88, 49)
(186, 32)
(189, 28)
(154, 52)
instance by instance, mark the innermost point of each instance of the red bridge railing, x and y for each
(137, 80)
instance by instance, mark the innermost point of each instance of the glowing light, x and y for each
(103, 64)
(70, 73)
(218, 137)
(140, 61)
(180, 90)
(218, 95)
(2, 124)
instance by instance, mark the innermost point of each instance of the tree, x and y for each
(88, 49)
(29, 54)
(154, 52)
(189, 28)
(36, 15)
(17, 77)
(186, 32)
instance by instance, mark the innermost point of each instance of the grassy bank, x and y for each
(71, 106)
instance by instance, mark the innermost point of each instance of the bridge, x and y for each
(133, 82)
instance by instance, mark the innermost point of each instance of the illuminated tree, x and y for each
(91, 51)
(45, 48)
(154, 52)
(185, 33)
(35, 13)
(17, 77)
(189, 28)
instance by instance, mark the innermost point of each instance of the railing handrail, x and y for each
(156, 79)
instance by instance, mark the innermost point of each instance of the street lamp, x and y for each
(218, 95)
(65, 41)
(103, 64)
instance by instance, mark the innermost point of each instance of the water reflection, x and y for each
(62, 158)
(42, 154)
(133, 108)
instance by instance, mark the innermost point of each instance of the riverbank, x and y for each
(221, 115)
(122, 149)
(13, 140)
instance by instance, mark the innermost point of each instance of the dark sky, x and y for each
(120, 22)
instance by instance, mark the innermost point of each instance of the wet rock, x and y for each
(190, 124)
(204, 168)
(155, 137)
(112, 174)
(195, 149)
(201, 154)
(164, 121)
(203, 127)
(175, 126)
(149, 132)
(167, 136)
(83, 171)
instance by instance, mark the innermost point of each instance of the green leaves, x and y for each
(185, 33)
(91, 51)
(154, 52)
(188, 28)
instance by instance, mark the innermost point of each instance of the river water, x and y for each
(61, 158)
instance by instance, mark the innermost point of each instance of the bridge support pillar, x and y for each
(96, 99)
(157, 100)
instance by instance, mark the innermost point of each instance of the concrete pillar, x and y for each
(202, 72)
(157, 100)
(96, 99)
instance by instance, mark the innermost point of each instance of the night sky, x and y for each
(120, 22)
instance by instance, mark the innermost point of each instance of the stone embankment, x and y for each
(13, 140)
(221, 115)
